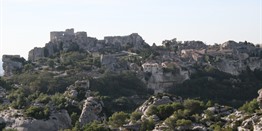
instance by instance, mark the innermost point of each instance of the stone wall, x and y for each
(36, 54)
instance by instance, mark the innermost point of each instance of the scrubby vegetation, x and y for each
(220, 87)
(44, 86)
(117, 90)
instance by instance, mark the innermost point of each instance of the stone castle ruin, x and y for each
(68, 40)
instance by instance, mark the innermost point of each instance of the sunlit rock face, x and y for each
(14, 119)
(91, 110)
(259, 98)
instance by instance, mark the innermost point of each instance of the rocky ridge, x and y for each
(62, 73)
(230, 117)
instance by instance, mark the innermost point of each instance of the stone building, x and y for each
(152, 67)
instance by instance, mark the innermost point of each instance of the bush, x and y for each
(250, 107)
(220, 87)
(74, 117)
(119, 88)
(135, 116)
(37, 112)
(43, 98)
(194, 106)
(118, 119)
(183, 122)
(165, 111)
(18, 98)
(152, 110)
(147, 125)
(4, 84)
(59, 101)
(95, 126)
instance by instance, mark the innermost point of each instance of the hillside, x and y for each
(77, 82)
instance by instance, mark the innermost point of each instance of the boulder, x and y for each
(14, 119)
(91, 110)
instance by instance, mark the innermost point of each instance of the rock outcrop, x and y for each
(259, 98)
(14, 119)
(91, 111)
(133, 40)
(73, 91)
(12, 64)
(156, 101)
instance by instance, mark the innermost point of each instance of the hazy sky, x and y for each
(26, 24)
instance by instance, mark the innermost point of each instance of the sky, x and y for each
(26, 24)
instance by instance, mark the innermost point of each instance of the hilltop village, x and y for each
(76, 79)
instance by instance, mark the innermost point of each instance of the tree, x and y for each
(135, 116)
(74, 118)
(195, 106)
(250, 107)
(151, 110)
(95, 126)
(147, 125)
(165, 111)
(118, 119)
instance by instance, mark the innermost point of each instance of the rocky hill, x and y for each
(77, 82)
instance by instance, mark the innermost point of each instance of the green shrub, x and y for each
(95, 126)
(183, 122)
(152, 110)
(118, 119)
(74, 118)
(194, 106)
(135, 116)
(147, 125)
(43, 98)
(59, 101)
(37, 112)
(164, 111)
(250, 107)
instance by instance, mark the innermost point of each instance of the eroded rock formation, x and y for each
(14, 119)
(91, 111)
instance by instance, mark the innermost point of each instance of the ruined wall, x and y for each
(69, 41)
(12, 64)
(36, 54)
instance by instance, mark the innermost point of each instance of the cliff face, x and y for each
(237, 57)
